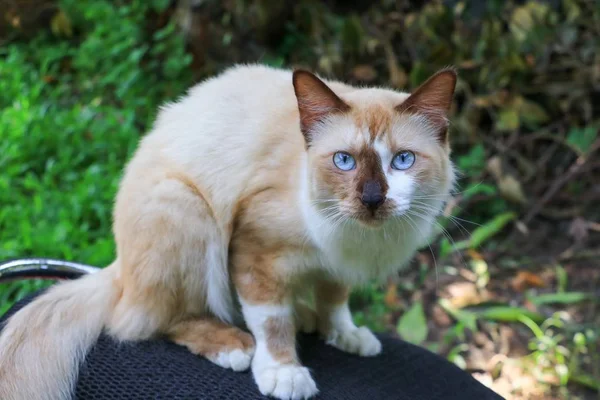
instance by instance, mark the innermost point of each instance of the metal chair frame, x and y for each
(43, 268)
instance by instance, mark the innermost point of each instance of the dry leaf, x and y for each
(391, 296)
(469, 64)
(462, 294)
(440, 317)
(522, 228)
(474, 254)
(511, 189)
(494, 167)
(365, 73)
(398, 77)
(525, 279)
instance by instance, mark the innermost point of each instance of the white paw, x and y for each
(237, 359)
(359, 341)
(286, 382)
(306, 318)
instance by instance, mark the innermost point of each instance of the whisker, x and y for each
(435, 266)
(446, 234)
(455, 220)
(453, 193)
(450, 218)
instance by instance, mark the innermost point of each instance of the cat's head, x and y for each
(376, 155)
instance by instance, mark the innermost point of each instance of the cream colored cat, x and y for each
(257, 189)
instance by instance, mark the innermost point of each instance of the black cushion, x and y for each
(162, 370)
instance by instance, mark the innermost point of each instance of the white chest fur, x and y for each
(357, 254)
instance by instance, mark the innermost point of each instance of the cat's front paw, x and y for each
(359, 341)
(286, 382)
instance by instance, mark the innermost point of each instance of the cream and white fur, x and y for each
(225, 200)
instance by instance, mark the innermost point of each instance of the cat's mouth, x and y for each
(371, 219)
(376, 218)
(370, 222)
(363, 216)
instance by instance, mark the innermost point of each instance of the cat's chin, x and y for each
(370, 222)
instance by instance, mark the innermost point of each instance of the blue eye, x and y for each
(344, 161)
(403, 160)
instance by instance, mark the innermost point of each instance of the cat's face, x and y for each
(374, 155)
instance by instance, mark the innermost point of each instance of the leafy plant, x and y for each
(412, 326)
(71, 112)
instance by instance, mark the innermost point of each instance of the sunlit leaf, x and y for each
(455, 357)
(508, 120)
(525, 17)
(412, 326)
(467, 318)
(491, 228)
(572, 9)
(560, 298)
(508, 314)
(479, 188)
(61, 24)
(511, 189)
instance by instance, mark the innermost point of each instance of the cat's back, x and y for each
(227, 136)
(239, 100)
(231, 117)
(251, 104)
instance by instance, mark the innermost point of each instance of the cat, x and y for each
(255, 203)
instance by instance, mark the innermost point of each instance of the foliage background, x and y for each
(508, 290)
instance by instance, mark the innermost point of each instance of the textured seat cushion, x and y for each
(162, 370)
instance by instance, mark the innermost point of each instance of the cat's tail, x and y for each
(42, 345)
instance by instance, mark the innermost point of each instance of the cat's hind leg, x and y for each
(221, 343)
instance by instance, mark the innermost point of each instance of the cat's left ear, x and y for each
(316, 101)
(433, 100)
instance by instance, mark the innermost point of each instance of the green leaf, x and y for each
(509, 314)
(560, 298)
(412, 326)
(562, 278)
(352, 34)
(508, 120)
(455, 357)
(465, 317)
(532, 113)
(474, 161)
(445, 247)
(585, 380)
(491, 228)
(160, 5)
(479, 188)
(582, 139)
(418, 74)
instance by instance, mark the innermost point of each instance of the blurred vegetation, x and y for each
(508, 289)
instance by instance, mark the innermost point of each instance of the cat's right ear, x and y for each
(316, 101)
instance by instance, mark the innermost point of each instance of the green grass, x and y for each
(72, 112)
